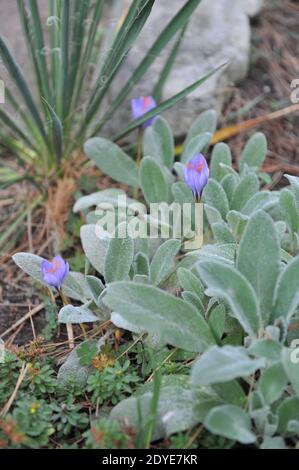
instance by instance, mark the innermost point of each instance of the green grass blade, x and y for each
(26, 119)
(39, 50)
(57, 132)
(166, 104)
(18, 78)
(80, 12)
(89, 48)
(128, 33)
(158, 88)
(27, 31)
(15, 128)
(64, 68)
(179, 21)
(15, 147)
(54, 27)
(148, 431)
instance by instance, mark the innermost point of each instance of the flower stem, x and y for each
(139, 154)
(69, 326)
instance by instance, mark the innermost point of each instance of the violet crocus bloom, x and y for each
(54, 272)
(196, 174)
(142, 105)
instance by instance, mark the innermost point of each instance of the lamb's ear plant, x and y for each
(231, 305)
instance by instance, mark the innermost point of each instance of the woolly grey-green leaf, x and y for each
(226, 282)
(287, 411)
(217, 321)
(221, 154)
(294, 181)
(224, 252)
(119, 258)
(163, 261)
(231, 422)
(182, 193)
(229, 184)
(157, 312)
(153, 181)
(254, 152)
(237, 222)
(215, 196)
(189, 282)
(263, 200)
(195, 145)
(267, 348)
(95, 248)
(213, 215)
(194, 300)
(289, 361)
(205, 122)
(112, 161)
(259, 259)
(109, 196)
(247, 187)
(288, 209)
(222, 233)
(141, 264)
(272, 383)
(158, 142)
(71, 314)
(286, 295)
(174, 412)
(218, 365)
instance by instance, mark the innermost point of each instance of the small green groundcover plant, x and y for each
(208, 354)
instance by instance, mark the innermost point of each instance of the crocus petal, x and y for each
(46, 265)
(54, 272)
(196, 174)
(51, 279)
(141, 106)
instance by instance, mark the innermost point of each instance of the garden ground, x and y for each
(274, 64)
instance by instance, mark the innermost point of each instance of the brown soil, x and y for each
(274, 64)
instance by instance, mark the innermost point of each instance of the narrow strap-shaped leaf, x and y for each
(57, 131)
(14, 127)
(18, 77)
(80, 12)
(116, 58)
(165, 104)
(26, 118)
(158, 88)
(39, 51)
(64, 68)
(167, 34)
(27, 32)
(88, 50)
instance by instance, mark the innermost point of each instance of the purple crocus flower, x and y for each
(54, 272)
(196, 174)
(142, 105)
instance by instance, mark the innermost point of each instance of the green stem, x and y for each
(139, 154)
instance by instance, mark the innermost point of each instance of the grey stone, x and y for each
(252, 7)
(219, 31)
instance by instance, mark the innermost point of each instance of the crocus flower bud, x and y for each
(196, 174)
(142, 105)
(54, 272)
